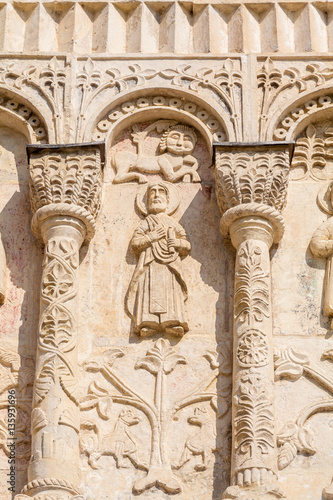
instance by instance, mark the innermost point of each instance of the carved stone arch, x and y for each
(210, 120)
(19, 113)
(309, 107)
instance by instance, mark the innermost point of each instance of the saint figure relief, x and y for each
(157, 291)
(322, 246)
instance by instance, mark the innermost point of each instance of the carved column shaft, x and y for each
(254, 449)
(251, 183)
(65, 193)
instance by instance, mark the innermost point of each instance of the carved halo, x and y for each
(324, 198)
(173, 197)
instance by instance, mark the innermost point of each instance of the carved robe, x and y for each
(322, 246)
(158, 290)
(2, 273)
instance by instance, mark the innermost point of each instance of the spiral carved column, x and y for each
(65, 196)
(251, 185)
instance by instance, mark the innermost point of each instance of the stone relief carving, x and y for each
(296, 437)
(158, 290)
(65, 198)
(322, 246)
(49, 81)
(251, 188)
(201, 443)
(175, 161)
(225, 83)
(159, 101)
(160, 361)
(274, 82)
(312, 153)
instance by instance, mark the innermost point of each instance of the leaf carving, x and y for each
(294, 439)
(160, 358)
(289, 363)
(251, 286)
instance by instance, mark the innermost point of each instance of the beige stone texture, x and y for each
(166, 250)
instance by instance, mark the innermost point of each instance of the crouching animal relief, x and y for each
(119, 443)
(174, 161)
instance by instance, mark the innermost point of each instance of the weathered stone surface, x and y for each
(165, 307)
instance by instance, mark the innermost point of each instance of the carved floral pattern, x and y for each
(69, 178)
(252, 349)
(56, 340)
(252, 178)
(273, 83)
(251, 286)
(49, 82)
(311, 155)
(254, 421)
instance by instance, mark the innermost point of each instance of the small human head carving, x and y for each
(178, 140)
(157, 197)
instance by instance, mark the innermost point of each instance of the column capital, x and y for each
(251, 182)
(65, 181)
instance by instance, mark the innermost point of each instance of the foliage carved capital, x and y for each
(251, 181)
(66, 181)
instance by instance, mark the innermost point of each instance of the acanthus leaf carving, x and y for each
(251, 286)
(293, 439)
(254, 420)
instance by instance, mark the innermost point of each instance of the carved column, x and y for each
(65, 196)
(251, 185)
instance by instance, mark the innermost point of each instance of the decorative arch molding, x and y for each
(41, 87)
(23, 116)
(153, 103)
(298, 114)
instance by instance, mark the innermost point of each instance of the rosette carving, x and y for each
(251, 185)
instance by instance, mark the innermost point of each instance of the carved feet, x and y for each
(252, 493)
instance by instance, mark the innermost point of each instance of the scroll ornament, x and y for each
(251, 185)
(65, 197)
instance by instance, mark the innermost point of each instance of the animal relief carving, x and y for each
(201, 443)
(161, 360)
(174, 162)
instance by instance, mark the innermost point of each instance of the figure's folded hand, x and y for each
(158, 233)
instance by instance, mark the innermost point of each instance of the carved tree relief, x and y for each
(296, 437)
(160, 361)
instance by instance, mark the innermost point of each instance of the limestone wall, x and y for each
(165, 251)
